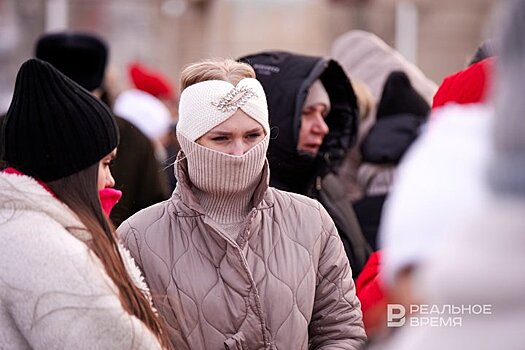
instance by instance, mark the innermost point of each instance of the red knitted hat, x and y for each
(469, 85)
(150, 81)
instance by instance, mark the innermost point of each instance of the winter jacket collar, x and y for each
(108, 196)
(12, 170)
(23, 192)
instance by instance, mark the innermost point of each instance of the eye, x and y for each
(253, 135)
(308, 111)
(219, 138)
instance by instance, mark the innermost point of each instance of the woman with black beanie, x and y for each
(65, 282)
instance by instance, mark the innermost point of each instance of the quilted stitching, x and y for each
(213, 288)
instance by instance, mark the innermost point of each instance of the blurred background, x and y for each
(438, 36)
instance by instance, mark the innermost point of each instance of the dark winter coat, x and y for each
(286, 78)
(137, 173)
(387, 142)
(390, 138)
(368, 211)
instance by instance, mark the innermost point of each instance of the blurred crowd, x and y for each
(274, 200)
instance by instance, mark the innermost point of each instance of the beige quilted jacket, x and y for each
(285, 283)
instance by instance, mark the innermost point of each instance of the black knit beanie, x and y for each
(54, 127)
(399, 97)
(80, 56)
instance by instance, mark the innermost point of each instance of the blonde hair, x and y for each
(215, 69)
(365, 99)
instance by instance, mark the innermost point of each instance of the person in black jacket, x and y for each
(313, 114)
(83, 58)
(401, 114)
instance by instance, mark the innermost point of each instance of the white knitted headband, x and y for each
(205, 105)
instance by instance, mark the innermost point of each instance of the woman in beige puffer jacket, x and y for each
(233, 263)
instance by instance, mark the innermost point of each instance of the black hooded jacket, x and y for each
(286, 79)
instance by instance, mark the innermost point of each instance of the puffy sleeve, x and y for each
(58, 295)
(336, 320)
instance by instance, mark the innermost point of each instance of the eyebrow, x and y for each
(312, 108)
(325, 110)
(259, 128)
(222, 132)
(219, 132)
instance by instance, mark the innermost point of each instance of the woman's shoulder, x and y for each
(299, 216)
(38, 252)
(289, 200)
(36, 233)
(156, 213)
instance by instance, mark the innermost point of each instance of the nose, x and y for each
(319, 126)
(110, 181)
(237, 148)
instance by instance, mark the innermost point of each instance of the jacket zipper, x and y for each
(244, 239)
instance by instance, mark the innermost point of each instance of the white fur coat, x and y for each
(54, 292)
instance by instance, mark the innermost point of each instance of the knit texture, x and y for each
(469, 85)
(54, 127)
(199, 111)
(224, 184)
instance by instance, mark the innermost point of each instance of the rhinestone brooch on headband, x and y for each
(234, 99)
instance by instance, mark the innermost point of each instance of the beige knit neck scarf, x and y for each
(224, 184)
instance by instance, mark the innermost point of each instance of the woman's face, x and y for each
(235, 136)
(105, 179)
(313, 128)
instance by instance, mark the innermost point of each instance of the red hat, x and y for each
(469, 85)
(150, 81)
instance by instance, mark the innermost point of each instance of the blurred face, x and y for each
(235, 136)
(313, 128)
(105, 179)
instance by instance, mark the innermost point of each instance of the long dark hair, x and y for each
(79, 192)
